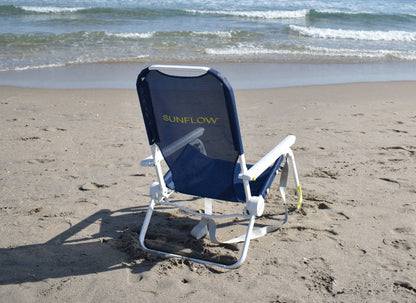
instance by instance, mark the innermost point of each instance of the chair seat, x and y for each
(193, 169)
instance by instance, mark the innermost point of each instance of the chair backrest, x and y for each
(193, 120)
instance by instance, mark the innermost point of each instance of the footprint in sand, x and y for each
(399, 131)
(403, 230)
(407, 207)
(29, 138)
(320, 276)
(40, 161)
(398, 244)
(403, 285)
(54, 129)
(410, 150)
(323, 173)
(93, 186)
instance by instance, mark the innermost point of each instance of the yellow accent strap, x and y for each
(300, 197)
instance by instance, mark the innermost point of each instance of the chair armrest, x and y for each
(175, 146)
(187, 139)
(257, 169)
(149, 161)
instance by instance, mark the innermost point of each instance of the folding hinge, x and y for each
(255, 206)
(156, 191)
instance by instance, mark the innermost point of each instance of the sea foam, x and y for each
(132, 35)
(51, 9)
(244, 49)
(275, 14)
(327, 33)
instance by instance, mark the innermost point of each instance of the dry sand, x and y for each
(72, 194)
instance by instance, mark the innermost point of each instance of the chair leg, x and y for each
(239, 262)
(295, 173)
(201, 229)
(246, 243)
(146, 223)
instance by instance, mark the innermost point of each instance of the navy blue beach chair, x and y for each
(191, 123)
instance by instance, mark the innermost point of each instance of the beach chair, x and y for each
(191, 123)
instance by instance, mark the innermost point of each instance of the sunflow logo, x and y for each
(190, 120)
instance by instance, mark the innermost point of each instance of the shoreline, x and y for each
(244, 75)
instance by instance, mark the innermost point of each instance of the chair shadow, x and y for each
(62, 256)
(170, 232)
(68, 254)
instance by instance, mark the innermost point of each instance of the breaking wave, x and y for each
(327, 33)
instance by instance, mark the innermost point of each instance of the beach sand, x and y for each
(73, 195)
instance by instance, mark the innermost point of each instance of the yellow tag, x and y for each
(300, 197)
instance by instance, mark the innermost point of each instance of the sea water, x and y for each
(46, 33)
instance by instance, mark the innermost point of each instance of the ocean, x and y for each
(37, 34)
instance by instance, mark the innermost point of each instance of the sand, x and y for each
(73, 195)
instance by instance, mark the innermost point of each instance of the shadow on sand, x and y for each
(115, 246)
(68, 255)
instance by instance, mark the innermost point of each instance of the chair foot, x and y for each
(201, 229)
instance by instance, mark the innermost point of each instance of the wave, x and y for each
(358, 16)
(275, 14)
(43, 66)
(143, 12)
(78, 61)
(310, 14)
(7, 10)
(145, 35)
(183, 34)
(15, 41)
(140, 11)
(51, 9)
(327, 33)
(243, 50)
(38, 39)
(360, 53)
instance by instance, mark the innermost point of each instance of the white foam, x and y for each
(241, 50)
(51, 9)
(251, 49)
(257, 14)
(23, 68)
(360, 53)
(77, 61)
(132, 35)
(326, 33)
(221, 34)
